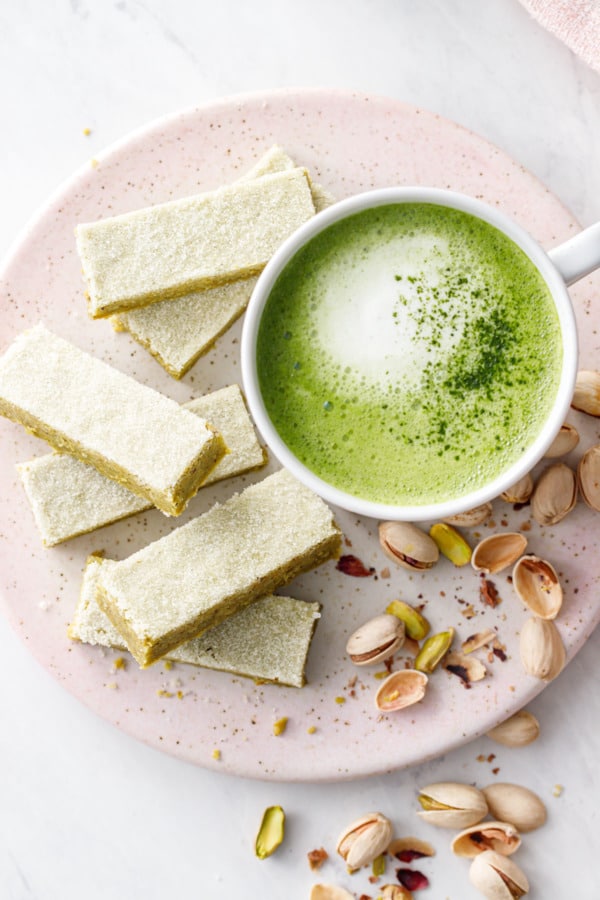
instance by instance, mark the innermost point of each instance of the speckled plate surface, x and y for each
(350, 142)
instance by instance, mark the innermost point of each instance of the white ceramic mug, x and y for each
(560, 267)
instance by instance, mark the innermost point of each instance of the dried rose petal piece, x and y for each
(412, 879)
(352, 565)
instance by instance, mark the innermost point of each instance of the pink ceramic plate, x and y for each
(349, 142)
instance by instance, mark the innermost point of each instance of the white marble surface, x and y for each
(85, 811)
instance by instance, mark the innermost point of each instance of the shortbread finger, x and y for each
(186, 245)
(69, 497)
(268, 640)
(128, 431)
(203, 572)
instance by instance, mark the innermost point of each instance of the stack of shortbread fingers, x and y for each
(175, 276)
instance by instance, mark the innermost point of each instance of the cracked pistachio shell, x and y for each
(517, 731)
(451, 543)
(515, 804)
(565, 441)
(471, 517)
(452, 805)
(271, 831)
(408, 545)
(416, 625)
(555, 494)
(329, 892)
(401, 689)
(433, 650)
(586, 397)
(537, 585)
(498, 551)
(520, 491)
(502, 837)
(497, 877)
(542, 650)
(588, 476)
(377, 639)
(394, 892)
(364, 839)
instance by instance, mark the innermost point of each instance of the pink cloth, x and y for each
(575, 22)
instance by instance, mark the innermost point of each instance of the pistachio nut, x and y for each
(433, 650)
(517, 731)
(329, 892)
(468, 668)
(395, 892)
(451, 805)
(586, 397)
(377, 639)
(515, 804)
(565, 441)
(498, 877)
(271, 831)
(401, 689)
(498, 551)
(451, 543)
(364, 839)
(471, 517)
(407, 849)
(588, 476)
(542, 650)
(520, 491)
(538, 586)
(499, 836)
(416, 625)
(555, 494)
(408, 545)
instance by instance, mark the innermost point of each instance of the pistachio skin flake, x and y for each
(271, 831)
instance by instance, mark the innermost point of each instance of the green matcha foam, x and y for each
(409, 353)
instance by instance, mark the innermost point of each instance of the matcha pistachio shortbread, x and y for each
(268, 640)
(195, 577)
(127, 431)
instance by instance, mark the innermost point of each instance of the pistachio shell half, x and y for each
(498, 551)
(416, 625)
(451, 805)
(520, 491)
(451, 543)
(517, 731)
(407, 849)
(588, 475)
(377, 639)
(395, 892)
(329, 892)
(478, 640)
(497, 877)
(468, 668)
(499, 836)
(408, 545)
(515, 804)
(364, 839)
(586, 397)
(401, 689)
(537, 585)
(542, 651)
(565, 441)
(475, 516)
(555, 494)
(433, 650)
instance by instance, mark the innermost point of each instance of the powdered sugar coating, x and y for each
(197, 242)
(197, 575)
(69, 497)
(125, 429)
(268, 640)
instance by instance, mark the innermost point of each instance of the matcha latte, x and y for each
(409, 354)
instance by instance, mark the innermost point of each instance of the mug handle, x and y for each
(578, 256)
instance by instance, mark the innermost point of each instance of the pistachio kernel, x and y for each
(271, 831)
